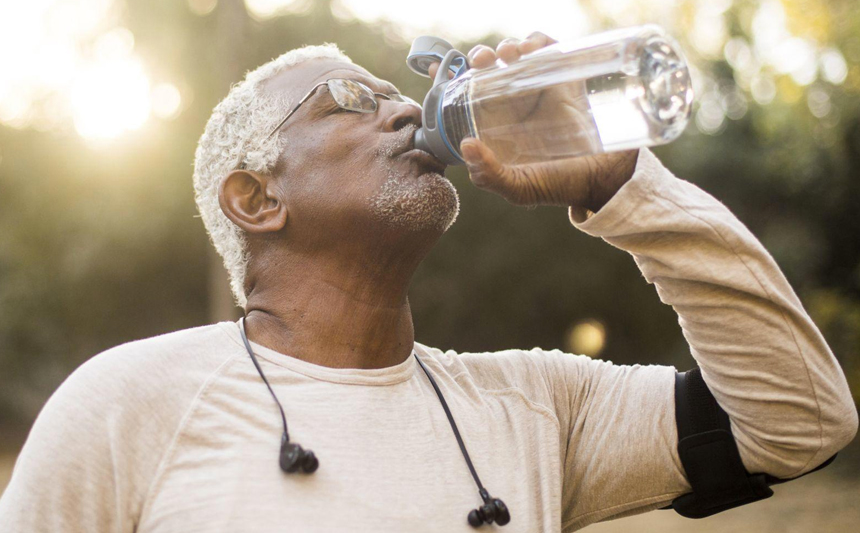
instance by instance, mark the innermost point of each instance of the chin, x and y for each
(428, 202)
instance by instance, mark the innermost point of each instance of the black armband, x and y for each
(710, 455)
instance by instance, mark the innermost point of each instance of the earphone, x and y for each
(294, 458)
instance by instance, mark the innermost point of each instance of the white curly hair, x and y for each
(236, 133)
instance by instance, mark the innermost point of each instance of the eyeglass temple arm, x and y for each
(303, 100)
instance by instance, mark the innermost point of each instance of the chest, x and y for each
(389, 461)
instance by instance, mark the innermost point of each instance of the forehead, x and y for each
(297, 80)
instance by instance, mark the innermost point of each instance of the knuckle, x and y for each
(524, 189)
(541, 38)
(478, 178)
(477, 49)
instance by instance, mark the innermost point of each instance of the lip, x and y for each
(425, 159)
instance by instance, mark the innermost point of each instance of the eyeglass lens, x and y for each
(352, 95)
(356, 96)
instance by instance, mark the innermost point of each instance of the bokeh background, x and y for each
(102, 103)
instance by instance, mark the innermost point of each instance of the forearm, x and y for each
(760, 353)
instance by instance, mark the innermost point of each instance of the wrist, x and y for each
(608, 179)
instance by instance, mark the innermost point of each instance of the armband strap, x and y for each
(710, 454)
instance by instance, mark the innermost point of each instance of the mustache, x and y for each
(397, 142)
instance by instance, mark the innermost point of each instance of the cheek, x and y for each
(340, 168)
(339, 192)
(349, 159)
(343, 132)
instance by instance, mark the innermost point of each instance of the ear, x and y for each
(248, 199)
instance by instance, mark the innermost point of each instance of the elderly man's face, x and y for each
(342, 170)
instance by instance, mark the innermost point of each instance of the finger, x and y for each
(507, 50)
(485, 170)
(481, 56)
(549, 183)
(535, 41)
(434, 68)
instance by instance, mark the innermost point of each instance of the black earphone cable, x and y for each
(293, 457)
(454, 427)
(286, 436)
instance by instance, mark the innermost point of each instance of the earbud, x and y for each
(293, 457)
(493, 510)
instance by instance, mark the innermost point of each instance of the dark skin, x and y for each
(327, 282)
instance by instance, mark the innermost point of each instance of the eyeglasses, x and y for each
(350, 95)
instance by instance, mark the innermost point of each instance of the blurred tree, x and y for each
(99, 244)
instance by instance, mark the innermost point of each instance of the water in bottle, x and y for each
(617, 90)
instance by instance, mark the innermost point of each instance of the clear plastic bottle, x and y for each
(617, 90)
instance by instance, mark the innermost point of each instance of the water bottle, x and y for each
(617, 90)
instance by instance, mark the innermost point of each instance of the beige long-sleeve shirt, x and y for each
(179, 434)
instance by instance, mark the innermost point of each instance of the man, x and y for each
(322, 219)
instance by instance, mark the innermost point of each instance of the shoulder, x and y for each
(140, 388)
(174, 347)
(158, 376)
(110, 423)
(513, 367)
(551, 378)
(186, 349)
(167, 366)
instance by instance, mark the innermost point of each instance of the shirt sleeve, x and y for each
(91, 455)
(617, 434)
(761, 355)
(69, 475)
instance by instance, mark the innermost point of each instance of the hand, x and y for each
(587, 181)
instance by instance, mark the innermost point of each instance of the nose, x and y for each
(401, 115)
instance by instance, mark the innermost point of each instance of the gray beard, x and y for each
(413, 203)
(416, 203)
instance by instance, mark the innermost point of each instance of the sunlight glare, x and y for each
(710, 117)
(763, 89)
(202, 7)
(586, 338)
(14, 107)
(768, 26)
(109, 98)
(265, 9)
(709, 30)
(115, 44)
(459, 21)
(834, 69)
(166, 101)
(818, 102)
(73, 19)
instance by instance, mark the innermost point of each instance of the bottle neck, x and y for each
(455, 113)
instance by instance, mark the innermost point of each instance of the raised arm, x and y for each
(761, 355)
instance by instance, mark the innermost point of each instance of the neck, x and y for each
(338, 310)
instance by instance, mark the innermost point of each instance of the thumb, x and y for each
(485, 170)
